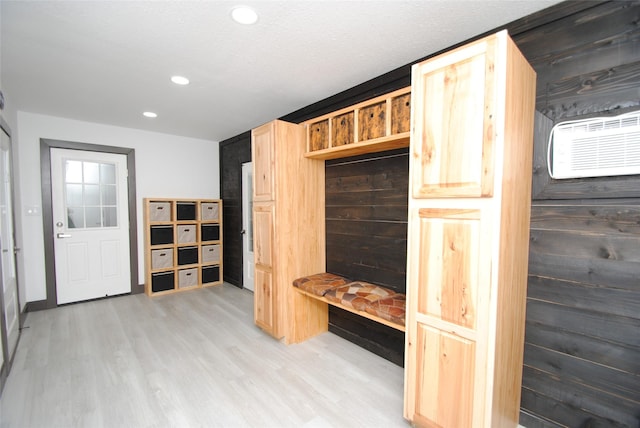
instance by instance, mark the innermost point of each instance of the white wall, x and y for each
(166, 166)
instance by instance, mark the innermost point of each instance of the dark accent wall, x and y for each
(233, 153)
(582, 351)
(366, 221)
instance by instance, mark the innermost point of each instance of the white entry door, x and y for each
(11, 307)
(247, 226)
(90, 224)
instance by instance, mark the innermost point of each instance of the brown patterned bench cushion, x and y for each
(319, 283)
(391, 308)
(358, 295)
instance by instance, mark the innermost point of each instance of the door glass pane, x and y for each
(75, 217)
(74, 195)
(91, 172)
(109, 217)
(93, 217)
(107, 173)
(73, 172)
(91, 194)
(108, 195)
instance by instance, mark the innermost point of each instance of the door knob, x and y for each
(243, 232)
(63, 235)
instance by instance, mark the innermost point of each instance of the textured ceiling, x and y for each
(108, 61)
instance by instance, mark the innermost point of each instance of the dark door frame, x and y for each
(47, 214)
(7, 357)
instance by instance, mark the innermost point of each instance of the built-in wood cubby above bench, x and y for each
(375, 125)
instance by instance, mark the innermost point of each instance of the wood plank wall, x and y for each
(366, 218)
(582, 351)
(233, 153)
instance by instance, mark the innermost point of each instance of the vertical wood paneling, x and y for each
(366, 216)
(233, 153)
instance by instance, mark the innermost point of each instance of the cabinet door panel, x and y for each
(450, 272)
(265, 294)
(263, 311)
(454, 124)
(445, 378)
(263, 158)
(263, 224)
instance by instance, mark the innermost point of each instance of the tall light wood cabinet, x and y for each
(288, 219)
(469, 207)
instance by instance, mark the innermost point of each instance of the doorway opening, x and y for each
(248, 259)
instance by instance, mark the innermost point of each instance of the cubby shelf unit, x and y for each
(183, 244)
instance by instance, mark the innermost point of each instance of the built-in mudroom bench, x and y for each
(289, 202)
(364, 299)
(468, 117)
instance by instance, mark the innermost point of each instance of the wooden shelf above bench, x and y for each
(375, 125)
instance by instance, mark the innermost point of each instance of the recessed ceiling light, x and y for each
(180, 80)
(149, 114)
(244, 15)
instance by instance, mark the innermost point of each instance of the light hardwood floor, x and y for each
(191, 359)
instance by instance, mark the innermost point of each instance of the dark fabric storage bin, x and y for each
(186, 210)
(162, 281)
(210, 232)
(187, 255)
(161, 235)
(210, 274)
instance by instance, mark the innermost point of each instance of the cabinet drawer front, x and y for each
(372, 122)
(210, 274)
(209, 232)
(186, 211)
(209, 211)
(211, 253)
(401, 114)
(187, 255)
(161, 235)
(342, 129)
(161, 259)
(160, 211)
(187, 277)
(186, 233)
(319, 135)
(162, 281)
